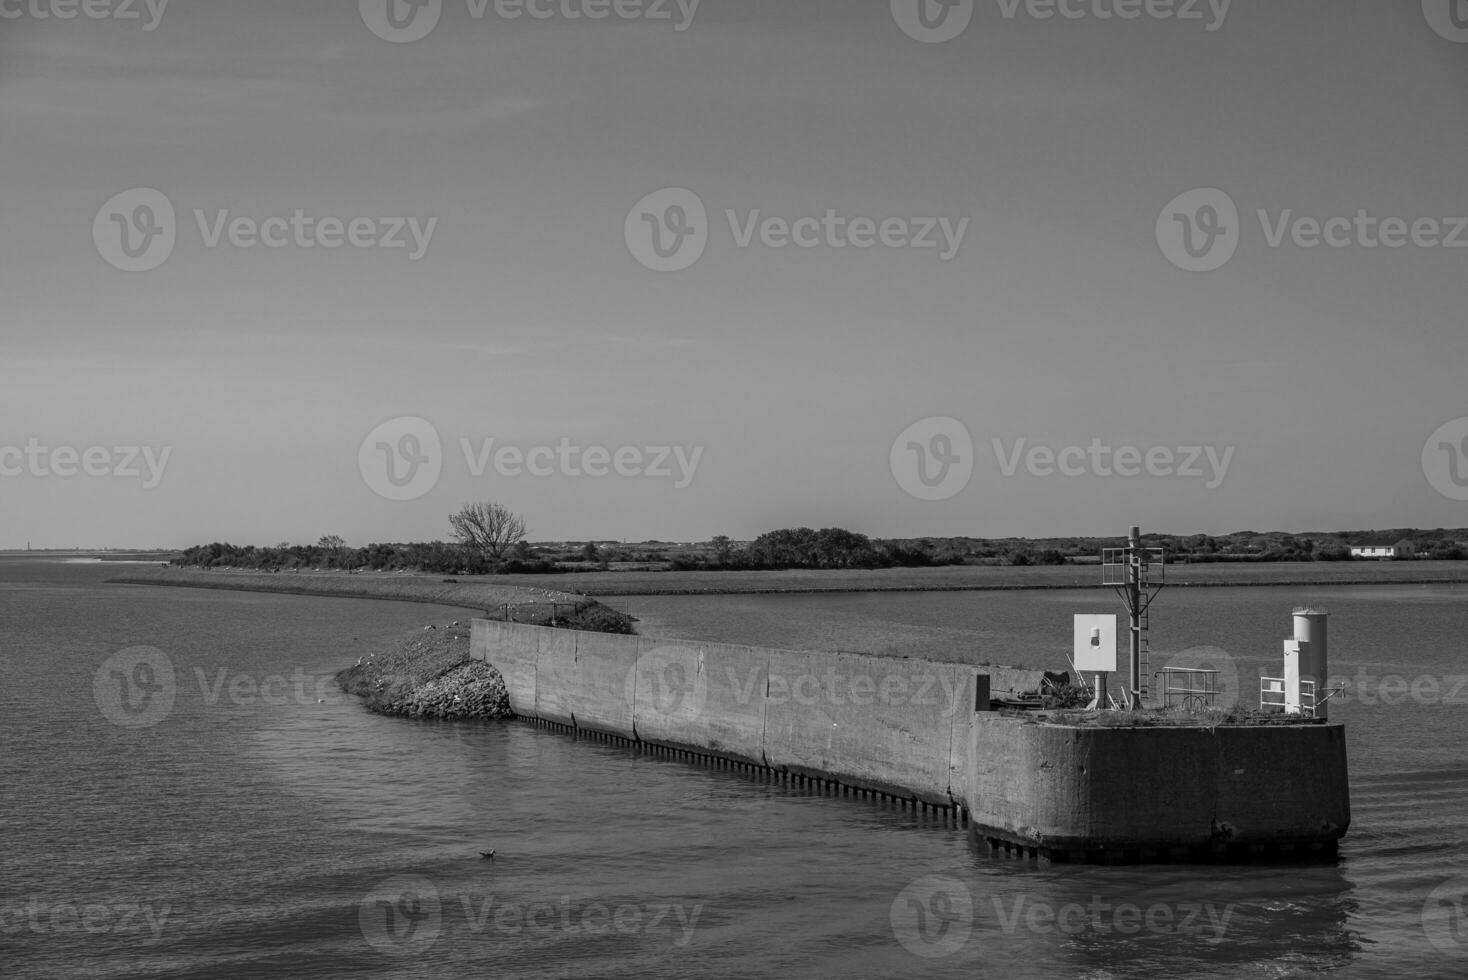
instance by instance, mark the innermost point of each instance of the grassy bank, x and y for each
(963, 578)
(428, 674)
(531, 602)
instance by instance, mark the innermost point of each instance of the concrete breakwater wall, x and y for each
(921, 730)
(1162, 792)
(897, 726)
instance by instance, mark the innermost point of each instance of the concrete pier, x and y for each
(919, 734)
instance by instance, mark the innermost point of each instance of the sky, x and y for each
(275, 270)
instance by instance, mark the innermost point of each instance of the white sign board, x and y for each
(1095, 644)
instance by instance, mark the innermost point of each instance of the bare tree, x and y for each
(489, 527)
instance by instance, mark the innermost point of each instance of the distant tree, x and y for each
(723, 549)
(488, 528)
(520, 551)
(1447, 549)
(591, 552)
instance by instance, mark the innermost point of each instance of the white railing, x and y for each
(1272, 695)
(1191, 687)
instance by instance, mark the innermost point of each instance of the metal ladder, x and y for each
(1144, 668)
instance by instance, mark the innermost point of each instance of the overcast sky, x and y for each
(767, 383)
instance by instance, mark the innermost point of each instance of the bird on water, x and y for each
(487, 855)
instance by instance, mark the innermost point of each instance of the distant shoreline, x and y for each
(485, 593)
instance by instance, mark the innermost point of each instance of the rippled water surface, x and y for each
(267, 826)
